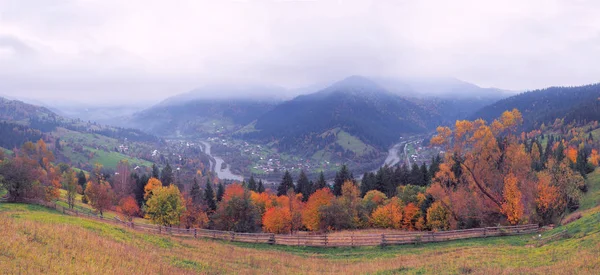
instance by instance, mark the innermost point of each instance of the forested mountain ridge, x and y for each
(547, 105)
(355, 105)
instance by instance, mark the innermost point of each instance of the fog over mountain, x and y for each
(115, 52)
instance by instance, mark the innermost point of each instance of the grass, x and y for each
(35, 239)
(592, 197)
(38, 240)
(352, 143)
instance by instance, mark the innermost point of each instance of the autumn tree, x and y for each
(123, 184)
(193, 216)
(372, 200)
(70, 183)
(17, 177)
(128, 208)
(99, 195)
(512, 205)
(388, 215)
(438, 217)
(277, 220)
(311, 216)
(152, 185)
(236, 212)
(165, 206)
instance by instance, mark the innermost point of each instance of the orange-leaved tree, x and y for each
(128, 208)
(277, 220)
(311, 217)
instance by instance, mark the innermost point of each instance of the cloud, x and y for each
(148, 50)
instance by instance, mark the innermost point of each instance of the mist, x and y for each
(114, 52)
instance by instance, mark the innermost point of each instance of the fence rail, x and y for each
(320, 240)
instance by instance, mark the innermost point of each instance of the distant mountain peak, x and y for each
(356, 84)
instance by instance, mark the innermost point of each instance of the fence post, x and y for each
(298, 237)
(352, 240)
(325, 239)
(485, 232)
(195, 233)
(232, 236)
(272, 239)
(382, 240)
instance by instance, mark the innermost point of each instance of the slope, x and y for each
(355, 105)
(547, 105)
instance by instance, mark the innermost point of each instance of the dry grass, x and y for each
(35, 240)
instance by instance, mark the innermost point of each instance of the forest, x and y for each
(489, 174)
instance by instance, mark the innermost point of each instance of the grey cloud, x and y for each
(148, 50)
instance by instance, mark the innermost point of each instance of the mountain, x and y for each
(354, 110)
(547, 105)
(449, 98)
(206, 111)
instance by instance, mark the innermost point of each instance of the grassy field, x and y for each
(351, 143)
(37, 240)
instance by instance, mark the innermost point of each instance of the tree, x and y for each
(287, 182)
(17, 177)
(196, 193)
(236, 212)
(372, 200)
(321, 182)
(166, 206)
(70, 183)
(153, 184)
(303, 186)
(81, 179)
(438, 217)
(261, 187)
(166, 176)
(123, 184)
(220, 192)
(128, 208)
(209, 197)
(155, 171)
(252, 185)
(277, 220)
(512, 206)
(388, 215)
(193, 216)
(340, 177)
(99, 195)
(311, 215)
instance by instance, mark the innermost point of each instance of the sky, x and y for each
(114, 51)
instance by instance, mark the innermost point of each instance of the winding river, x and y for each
(218, 163)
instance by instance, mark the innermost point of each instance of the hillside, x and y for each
(80, 143)
(203, 112)
(40, 240)
(547, 105)
(303, 125)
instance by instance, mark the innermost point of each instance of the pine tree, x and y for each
(252, 184)
(287, 182)
(321, 182)
(261, 187)
(196, 193)
(166, 177)
(425, 175)
(155, 171)
(340, 177)
(303, 186)
(81, 179)
(220, 191)
(209, 196)
(367, 184)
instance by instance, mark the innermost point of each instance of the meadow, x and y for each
(35, 239)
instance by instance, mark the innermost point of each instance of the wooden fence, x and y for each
(320, 240)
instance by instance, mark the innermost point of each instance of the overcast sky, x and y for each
(101, 50)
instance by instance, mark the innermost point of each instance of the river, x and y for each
(226, 173)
